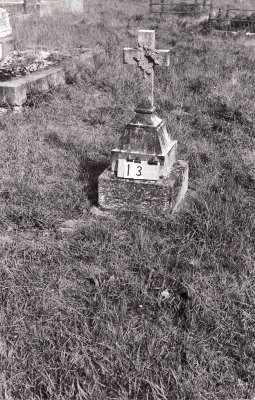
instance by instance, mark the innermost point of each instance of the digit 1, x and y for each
(128, 170)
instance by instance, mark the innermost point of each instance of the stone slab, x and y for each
(166, 160)
(14, 91)
(6, 45)
(154, 198)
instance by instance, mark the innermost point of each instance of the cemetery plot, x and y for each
(20, 63)
(40, 72)
(183, 8)
(15, 91)
(235, 19)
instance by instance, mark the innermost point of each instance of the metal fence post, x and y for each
(162, 6)
(227, 13)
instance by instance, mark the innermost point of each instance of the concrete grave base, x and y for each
(154, 198)
(6, 45)
(14, 91)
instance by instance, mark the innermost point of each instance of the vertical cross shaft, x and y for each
(146, 57)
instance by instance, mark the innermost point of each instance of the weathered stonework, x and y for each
(145, 177)
(155, 198)
(146, 138)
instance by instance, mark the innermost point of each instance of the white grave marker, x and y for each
(5, 27)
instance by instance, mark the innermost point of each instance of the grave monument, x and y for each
(49, 7)
(144, 176)
(6, 38)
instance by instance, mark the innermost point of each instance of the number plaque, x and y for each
(137, 170)
(134, 170)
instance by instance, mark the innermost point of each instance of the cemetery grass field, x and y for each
(82, 311)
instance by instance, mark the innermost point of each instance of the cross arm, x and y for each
(129, 54)
(164, 57)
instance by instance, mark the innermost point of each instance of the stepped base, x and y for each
(154, 198)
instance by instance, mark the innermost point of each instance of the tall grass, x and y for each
(83, 315)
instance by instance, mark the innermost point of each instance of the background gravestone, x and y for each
(74, 6)
(48, 7)
(6, 38)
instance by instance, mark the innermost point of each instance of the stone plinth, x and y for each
(154, 198)
(145, 140)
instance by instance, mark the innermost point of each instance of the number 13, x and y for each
(139, 170)
(132, 172)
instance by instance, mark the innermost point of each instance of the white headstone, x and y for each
(5, 27)
(74, 6)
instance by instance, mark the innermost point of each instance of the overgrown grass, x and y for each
(83, 316)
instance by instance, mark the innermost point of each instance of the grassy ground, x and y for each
(82, 315)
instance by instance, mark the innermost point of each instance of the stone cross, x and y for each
(146, 57)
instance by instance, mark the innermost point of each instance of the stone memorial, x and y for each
(74, 6)
(49, 7)
(144, 176)
(6, 39)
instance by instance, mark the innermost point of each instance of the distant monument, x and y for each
(6, 39)
(145, 176)
(74, 6)
(5, 27)
(49, 7)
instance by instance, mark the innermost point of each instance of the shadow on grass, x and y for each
(90, 171)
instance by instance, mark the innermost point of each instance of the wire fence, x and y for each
(239, 21)
(166, 6)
